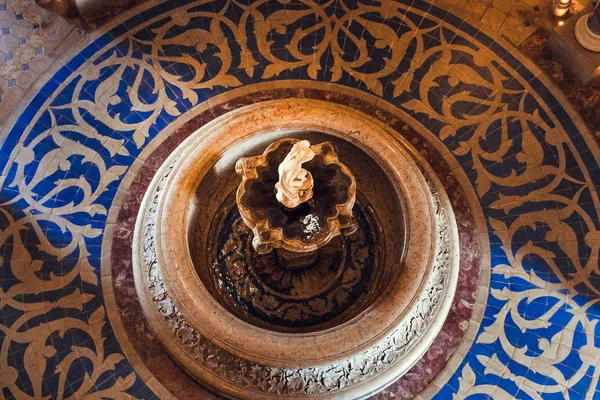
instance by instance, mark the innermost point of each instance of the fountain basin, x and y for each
(409, 253)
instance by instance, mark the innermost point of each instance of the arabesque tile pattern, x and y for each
(531, 163)
(516, 20)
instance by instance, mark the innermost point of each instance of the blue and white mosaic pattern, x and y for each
(533, 171)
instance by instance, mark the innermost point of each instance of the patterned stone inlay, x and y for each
(71, 146)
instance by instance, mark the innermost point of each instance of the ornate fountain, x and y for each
(278, 199)
(325, 273)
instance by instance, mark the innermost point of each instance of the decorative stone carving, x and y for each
(295, 183)
(298, 382)
(293, 229)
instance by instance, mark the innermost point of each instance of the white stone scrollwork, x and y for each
(295, 183)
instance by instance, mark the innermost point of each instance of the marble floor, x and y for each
(89, 112)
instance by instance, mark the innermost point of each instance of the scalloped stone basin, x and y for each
(309, 226)
(345, 326)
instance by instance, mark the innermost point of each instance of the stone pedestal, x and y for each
(292, 260)
(582, 64)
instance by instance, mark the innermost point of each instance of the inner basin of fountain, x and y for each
(340, 280)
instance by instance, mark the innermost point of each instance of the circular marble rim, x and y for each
(238, 337)
(484, 279)
(485, 273)
(399, 351)
(341, 95)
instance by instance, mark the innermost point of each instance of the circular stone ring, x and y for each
(354, 359)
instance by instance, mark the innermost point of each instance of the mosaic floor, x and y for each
(100, 123)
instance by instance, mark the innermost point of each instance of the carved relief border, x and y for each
(326, 380)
